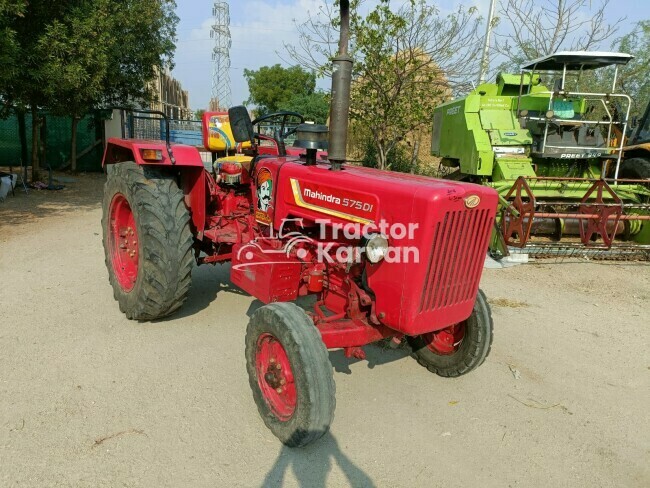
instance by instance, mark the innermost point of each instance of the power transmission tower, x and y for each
(221, 95)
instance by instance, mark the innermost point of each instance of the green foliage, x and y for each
(634, 78)
(397, 83)
(397, 159)
(314, 107)
(273, 87)
(143, 41)
(10, 10)
(72, 55)
(405, 62)
(198, 115)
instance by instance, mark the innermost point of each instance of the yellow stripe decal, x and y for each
(297, 194)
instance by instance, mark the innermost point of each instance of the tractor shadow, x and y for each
(312, 464)
(377, 354)
(207, 283)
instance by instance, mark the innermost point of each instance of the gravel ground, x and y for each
(90, 399)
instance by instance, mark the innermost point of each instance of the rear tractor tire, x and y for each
(147, 241)
(290, 374)
(460, 348)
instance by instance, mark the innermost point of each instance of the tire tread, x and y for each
(166, 241)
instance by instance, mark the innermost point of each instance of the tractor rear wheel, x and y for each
(460, 348)
(290, 374)
(635, 169)
(147, 241)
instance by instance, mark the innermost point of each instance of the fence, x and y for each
(58, 131)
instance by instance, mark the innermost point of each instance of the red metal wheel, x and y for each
(445, 341)
(123, 242)
(275, 377)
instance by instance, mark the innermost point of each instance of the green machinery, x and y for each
(554, 153)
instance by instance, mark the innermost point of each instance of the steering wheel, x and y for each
(285, 116)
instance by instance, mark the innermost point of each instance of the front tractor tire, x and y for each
(147, 241)
(458, 349)
(290, 374)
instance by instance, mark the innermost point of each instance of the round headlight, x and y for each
(376, 248)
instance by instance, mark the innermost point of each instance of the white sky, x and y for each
(260, 27)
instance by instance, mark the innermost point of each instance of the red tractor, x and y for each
(381, 254)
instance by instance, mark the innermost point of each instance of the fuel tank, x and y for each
(438, 232)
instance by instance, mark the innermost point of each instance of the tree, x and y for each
(406, 62)
(314, 107)
(144, 42)
(26, 83)
(198, 114)
(73, 55)
(10, 10)
(633, 78)
(97, 55)
(272, 87)
(529, 29)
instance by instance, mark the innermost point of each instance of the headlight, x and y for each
(376, 247)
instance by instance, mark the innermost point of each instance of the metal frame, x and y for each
(596, 96)
(164, 116)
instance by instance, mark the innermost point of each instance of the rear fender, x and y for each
(189, 168)
(120, 150)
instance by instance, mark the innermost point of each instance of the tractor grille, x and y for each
(457, 257)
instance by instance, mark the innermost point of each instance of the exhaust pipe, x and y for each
(340, 104)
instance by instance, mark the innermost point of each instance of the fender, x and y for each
(189, 167)
(120, 150)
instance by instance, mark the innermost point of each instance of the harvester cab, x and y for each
(567, 122)
(552, 151)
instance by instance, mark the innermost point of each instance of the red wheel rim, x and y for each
(123, 237)
(275, 377)
(446, 341)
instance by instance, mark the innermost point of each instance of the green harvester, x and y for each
(554, 152)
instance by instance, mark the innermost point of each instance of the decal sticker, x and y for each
(344, 204)
(264, 194)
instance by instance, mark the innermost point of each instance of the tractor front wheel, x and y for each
(290, 374)
(147, 241)
(460, 348)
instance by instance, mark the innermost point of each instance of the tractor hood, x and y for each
(438, 232)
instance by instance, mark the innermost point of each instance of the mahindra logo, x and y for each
(472, 201)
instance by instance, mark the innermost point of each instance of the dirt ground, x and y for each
(90, 399)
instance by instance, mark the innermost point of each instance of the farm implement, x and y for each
(555, 156)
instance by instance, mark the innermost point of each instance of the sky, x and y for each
(259, 29)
